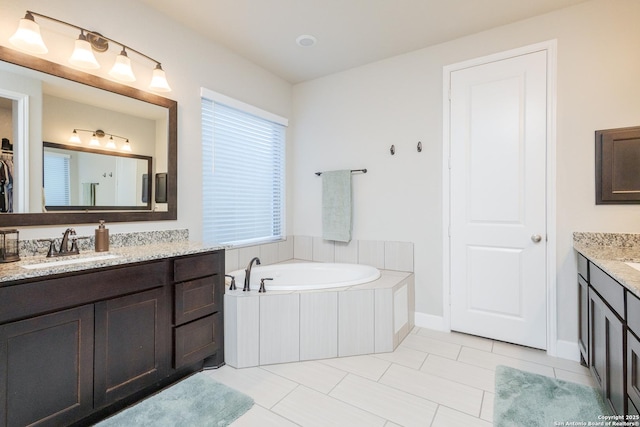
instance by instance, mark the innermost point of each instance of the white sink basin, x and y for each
(635, 265)
(49, 264)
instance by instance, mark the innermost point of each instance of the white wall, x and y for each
(349, 120)
(190, 62)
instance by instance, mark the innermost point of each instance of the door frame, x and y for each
(550, 47)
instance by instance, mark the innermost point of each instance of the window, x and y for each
(242, 172)
(57, 178)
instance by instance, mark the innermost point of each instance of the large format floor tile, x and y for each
(433, 379)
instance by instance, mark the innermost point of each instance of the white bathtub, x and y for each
(304, 276)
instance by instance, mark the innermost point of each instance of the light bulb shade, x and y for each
(82, 55)
(159, 81)
(94, 141)
(126, 146)
(122, 68)
(111, 143)
(27, 37)
(75, 138)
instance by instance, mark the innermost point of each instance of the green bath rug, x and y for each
(194, 402)
(526, 399)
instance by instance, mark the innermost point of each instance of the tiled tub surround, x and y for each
(278, 327)
(288, 326)
(610, 251)
(384, 255)
(128, 247)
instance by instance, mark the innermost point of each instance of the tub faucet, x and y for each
(247, 273)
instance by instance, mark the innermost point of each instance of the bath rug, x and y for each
(526, 399)
(196, 401)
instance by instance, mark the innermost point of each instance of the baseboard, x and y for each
(567, 350)
(429, 321)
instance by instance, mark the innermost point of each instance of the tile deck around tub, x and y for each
(432, 379)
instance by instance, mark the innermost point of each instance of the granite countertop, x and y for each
(124, 249)
(610, 251)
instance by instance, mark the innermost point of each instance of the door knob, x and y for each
(536, 238)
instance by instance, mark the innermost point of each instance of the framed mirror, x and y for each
(49, 101)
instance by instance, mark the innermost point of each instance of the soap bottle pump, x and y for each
(102, 237)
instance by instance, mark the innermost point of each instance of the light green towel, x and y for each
(336, 205)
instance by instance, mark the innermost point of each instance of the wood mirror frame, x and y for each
(87, 217)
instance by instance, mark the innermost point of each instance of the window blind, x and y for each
(56, 178)
(243, 176)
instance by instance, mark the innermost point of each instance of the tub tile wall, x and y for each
(371, 252)
(303, 247)
(279, 328)
(398, 256)
(356, 326)
(323, 250)
(347, 252)
(318, 325)
(389, 255)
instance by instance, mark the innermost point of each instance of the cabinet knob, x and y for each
(536, 238)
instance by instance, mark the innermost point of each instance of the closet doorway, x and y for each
(497, 116)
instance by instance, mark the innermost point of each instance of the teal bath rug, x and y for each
(526, 399)
(197, 401)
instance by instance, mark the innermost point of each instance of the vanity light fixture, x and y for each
(95, 141)
(27, 38)
(82, 55)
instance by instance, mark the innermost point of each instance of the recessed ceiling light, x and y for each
(306, 40)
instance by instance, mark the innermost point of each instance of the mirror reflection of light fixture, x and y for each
(95, 141)
(27, 38)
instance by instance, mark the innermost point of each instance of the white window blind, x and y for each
(243, 175)
(56, 178)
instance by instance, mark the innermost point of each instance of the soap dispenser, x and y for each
(102, 237)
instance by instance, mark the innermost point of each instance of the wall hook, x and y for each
(419, 146)
(392, 150)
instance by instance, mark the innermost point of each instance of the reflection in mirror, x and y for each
(44, 101)
(77, 178)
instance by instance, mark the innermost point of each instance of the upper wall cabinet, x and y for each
(618, 166)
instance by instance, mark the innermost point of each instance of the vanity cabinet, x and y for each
(608, 331)
(80, 346)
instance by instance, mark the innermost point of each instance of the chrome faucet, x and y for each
(247, 274)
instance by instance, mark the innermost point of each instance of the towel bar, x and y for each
(352, 171)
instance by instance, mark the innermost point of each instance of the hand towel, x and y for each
(336, 205)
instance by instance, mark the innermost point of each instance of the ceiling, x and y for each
(349, 33)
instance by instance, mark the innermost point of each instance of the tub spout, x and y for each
(247, 273)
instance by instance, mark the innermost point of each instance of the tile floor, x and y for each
(432, 379)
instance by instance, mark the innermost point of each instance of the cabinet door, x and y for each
(131, 344)
(583, 308)
(633, 369)
(606, 352)
(46, 369)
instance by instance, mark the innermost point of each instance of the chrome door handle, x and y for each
(536, 238)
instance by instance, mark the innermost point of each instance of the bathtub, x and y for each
(313, 311)
(304, 276)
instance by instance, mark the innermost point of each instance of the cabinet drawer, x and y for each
(197, 340)
(583, 267)
(195, 266)
(197, 298)
(610, 290)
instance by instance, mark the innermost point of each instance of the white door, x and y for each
(498, 201)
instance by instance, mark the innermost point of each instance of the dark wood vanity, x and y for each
(608, 336)
(79, 346)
